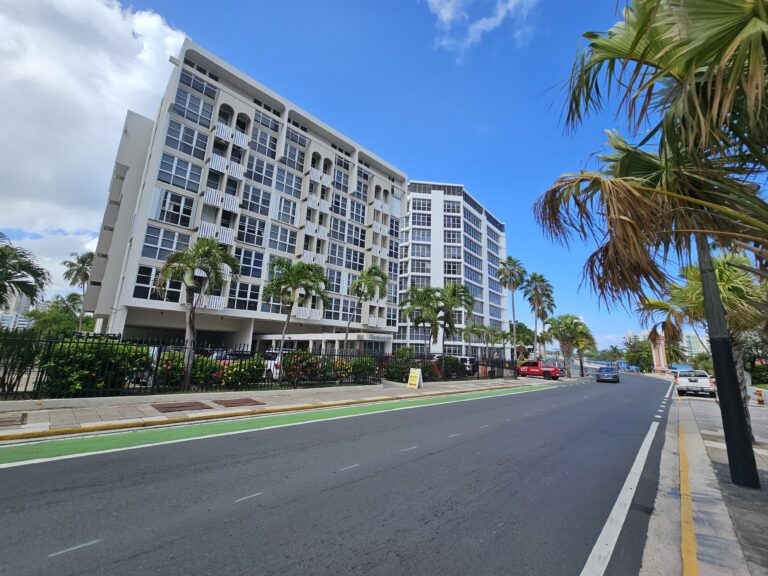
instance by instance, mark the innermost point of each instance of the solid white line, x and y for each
(408, 449)
(484, 426)
(205, 436)
(91, 543)
(606, 542)
(349, 467)
(669, 392)
(454, 435)
(248, 497)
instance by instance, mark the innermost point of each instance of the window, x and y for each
(451, 207)
(294, 157)
(273, 306)
(361, 192)
(173, 208)
(474, 220)
(421, 219)
(473, 246)
(422, 235)
(472, 232)
(251, 230)
(333, 280)
(494, 312)
(357, 212)
(342, 162)
(263, 142)
(256, 200)
(287, 211)
(145, 287)
(393, 270)
(350, 308)
(259, 171)
(452, 252)
(420, 281)
(243, 296)
(355, 235)
(392, 317)
(421, 266)
(338, 229)
(288, 183)
(452, 268)
(394, 247)
(282, 239)
(494, 285)
(450, 221)
(473, 275)
(494, 298)
(403, 267)
(335, 254)
(159, 243)
(493, 260)
(476, 291)
(392, 293)
(493, 248)
(354, 260)
(294, 136)
(250, 262)
(266, 121)
(403, 283)
(452, 237)
(421, 251)
(179, 173)
(332, 310)
(493, 235)
(473, 260)
(341, 180)
(492, 271)
(197, 83)
(192, 108)
(394, 227)
(421, 205)
(339, 205)
(186, 139)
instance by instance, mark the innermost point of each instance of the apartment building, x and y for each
(227, 158)
(447, 236)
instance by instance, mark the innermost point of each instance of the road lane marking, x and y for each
(687, 533)
(669, 392)
(660, 411)
(91, 543)
(657, 416)
(248, 497)
(484, 426)
(349, 467)
(408, 449)
(454, 435)
(603, 550)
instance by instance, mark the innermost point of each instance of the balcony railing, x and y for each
(212, 197)
(231, 203)
(240, 138)
(210, 301)
(227, 236)
(218, 163)
(210, 230)
(223, 131)
(308, 313)
(236, 170)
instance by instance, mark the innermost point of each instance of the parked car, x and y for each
(470, 364)
(696, 382)
(227, 356)
(538, 368)
(607, 374)
(273, 360)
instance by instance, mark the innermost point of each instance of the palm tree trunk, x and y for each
(190, 335)
(282, 344)
(745, 380)
(581, 363)
(349, 323)
(442, 356)
(514, 338)
(535, 334)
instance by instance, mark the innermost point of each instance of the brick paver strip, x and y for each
(180, 406)
(233, 403)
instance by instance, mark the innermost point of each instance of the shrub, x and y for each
(429, 371)
(244, 372)
(18, 352)
(304, 367)
(453, 367)
(92, 367)
(760, 374)
(170, 370)
(363, 368)
(340, 368)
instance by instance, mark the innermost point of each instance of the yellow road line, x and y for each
(687, 532)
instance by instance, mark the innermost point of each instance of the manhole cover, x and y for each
(180, 406)
(13, 419)
(235, 402)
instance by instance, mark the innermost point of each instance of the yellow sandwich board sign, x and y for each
(414, 378)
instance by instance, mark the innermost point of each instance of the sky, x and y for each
(459, 91)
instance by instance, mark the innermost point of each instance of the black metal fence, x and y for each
(41, 367)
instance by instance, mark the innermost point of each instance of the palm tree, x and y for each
(565, 329)
(539, 293)
(294, 283)
(421, 306)
(20, 274)
(474, 332)
(512, 275)
(585, 342)
(371, 280)
(452, 298)
(72, 304)
(201, 268)
(78, 273)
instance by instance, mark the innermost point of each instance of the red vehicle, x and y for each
(537, 368)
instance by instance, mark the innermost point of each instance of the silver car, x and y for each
(695, 382)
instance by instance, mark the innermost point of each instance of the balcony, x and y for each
(227, 236)
(218, 163)
(240, 139)
(381, 207)
(310, 228)
(315, 175)
(379, 228)
(308, 257)
(210, 301)
(236, 170)
(212, 197)
(308, 313)
(374, 322)
(322, 233)
(222, 131)
(226, 273)
(210, 230)
(231, 203)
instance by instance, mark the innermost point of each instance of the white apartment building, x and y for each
(228, 158)
(13, 314)
(447, 236)
(693, 346)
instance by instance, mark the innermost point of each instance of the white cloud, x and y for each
(461, 28)
(71, 69)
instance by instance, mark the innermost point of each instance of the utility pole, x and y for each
(741, 458)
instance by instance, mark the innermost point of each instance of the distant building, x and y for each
(693, 345)
(13, 315)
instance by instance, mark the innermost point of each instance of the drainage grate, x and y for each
(235, 402)
(180, 406)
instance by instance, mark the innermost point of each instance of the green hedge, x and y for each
(760, 375)
(170, 370)
(244, 372)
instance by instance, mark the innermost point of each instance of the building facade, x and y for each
(227, 158)
(447, 236)
(693, 346)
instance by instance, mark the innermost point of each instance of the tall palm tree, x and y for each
(565, 329)
(201, 269)
(539, 293)
(78, 273)
(293, 283)
(452, 298)
(365, 287)
(20, 274)
(512, 275)
(72, 304)
(420, 305)
(585, 342)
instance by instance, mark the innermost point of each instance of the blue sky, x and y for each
(466, 91)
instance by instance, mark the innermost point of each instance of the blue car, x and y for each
(607, 374)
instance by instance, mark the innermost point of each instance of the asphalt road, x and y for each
(519, 484)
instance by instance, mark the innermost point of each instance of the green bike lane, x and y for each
(62, 448)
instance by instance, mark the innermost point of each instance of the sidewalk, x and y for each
(31, 418)
(702, 523)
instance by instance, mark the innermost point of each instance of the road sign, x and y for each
(414, 378)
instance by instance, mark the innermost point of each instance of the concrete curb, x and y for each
(240, 414)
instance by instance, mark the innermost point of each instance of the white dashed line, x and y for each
(349, 467)
(484, 426)
(657, 417)
(248, 497)
(408, 449)
(91, 543)
(454, 435)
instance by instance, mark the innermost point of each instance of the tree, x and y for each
(20, 274)
(420, 305)
(638, 353)
(585, 342)
(201, 269)
(371, 280)
(78, 273)
(294, 283)
(512, 275)
(525, 338)
(61, 318)
(452, 298)
(565, 329)
(539, 293)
